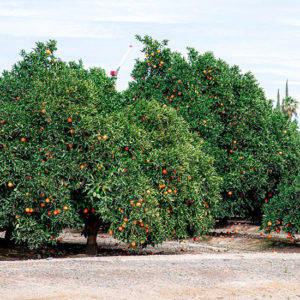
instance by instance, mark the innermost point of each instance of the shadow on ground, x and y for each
(230, 240)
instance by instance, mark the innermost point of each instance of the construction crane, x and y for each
(115, 73)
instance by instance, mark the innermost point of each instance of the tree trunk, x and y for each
(7, 242)
(92, 225)
(8, 234)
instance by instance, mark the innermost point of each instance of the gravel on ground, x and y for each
(187, 276)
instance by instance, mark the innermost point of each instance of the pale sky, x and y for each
(261, 36)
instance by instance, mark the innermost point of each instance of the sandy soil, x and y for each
(189, 276)
(226, 265)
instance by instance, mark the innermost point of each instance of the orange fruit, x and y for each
(164, 171)
(23, 139)
(47, 200)
(105, 137)
(48, 52)
(269, 223)
(110, 232)
(10, 184)
(69, 119)
(229, 193)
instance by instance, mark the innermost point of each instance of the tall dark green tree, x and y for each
(278, 105)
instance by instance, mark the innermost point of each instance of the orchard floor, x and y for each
(239, 265)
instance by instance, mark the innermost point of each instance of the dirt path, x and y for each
(226, 265)
(189, 276)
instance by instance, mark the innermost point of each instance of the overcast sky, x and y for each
(262, 36)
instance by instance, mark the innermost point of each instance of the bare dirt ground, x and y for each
(225, 265)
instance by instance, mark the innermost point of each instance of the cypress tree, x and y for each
(278, 100)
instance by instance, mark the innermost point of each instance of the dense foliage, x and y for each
(282, 209)
(228, 110)
(73, 154)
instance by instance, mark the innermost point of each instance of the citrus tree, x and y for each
(161, 184)
(281, 211)
(228, 110)
(44, 134)
(73, 154)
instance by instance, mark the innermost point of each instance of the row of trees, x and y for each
(254, 147)
(73, 154)
(189, 141)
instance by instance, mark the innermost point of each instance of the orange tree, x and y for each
(225, 108)
(71, 156)
(282, 212)
(43, 106)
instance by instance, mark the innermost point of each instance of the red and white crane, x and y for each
(115, 73)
